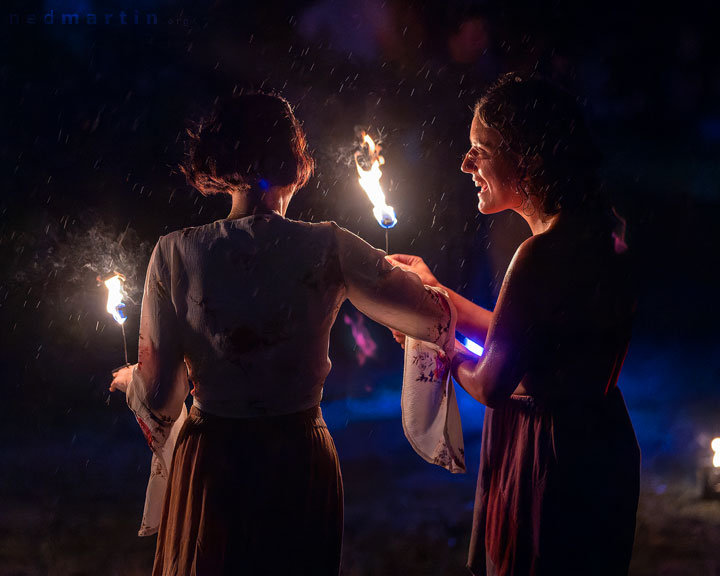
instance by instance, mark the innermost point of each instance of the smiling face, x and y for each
(494, 169)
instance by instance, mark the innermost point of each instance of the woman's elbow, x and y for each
(490, 393)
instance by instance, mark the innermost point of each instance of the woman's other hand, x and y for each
(399, 338)
(121, 378)
(414, 264)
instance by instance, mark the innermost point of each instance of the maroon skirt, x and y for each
(557, 491)
(254, 496)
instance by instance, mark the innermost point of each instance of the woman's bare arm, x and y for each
(494, 377)
(472, 320)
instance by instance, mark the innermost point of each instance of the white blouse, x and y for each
(243, 309)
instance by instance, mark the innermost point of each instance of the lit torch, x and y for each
(370, 182)
(116, 306)
(709, 472)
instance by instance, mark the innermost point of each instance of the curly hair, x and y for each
(538, 120)
(249, 142)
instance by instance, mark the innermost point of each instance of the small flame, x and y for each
(715, 445)
(370, 182)
(115, 304)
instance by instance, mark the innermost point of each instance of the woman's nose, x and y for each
(467, 166)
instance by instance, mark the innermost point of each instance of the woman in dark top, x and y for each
(559, 474)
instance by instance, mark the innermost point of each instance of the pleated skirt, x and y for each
(254, 496)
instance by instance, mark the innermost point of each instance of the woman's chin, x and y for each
(485, 207)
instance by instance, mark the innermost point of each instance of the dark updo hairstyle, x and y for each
(250, 142)
(538, 120)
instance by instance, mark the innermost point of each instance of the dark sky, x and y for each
(93, 132)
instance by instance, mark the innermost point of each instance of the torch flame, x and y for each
(715, 445)
(370, 182)
(115, 304)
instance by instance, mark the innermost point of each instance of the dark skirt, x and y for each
(255, 496)
(557, 491)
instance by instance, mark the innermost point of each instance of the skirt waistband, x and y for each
(529, 401)
(310, 414)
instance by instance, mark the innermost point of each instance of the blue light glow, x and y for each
(474, 347)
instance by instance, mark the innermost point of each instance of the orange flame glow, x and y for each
(370, 182)
(115, 304)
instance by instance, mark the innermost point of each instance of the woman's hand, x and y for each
(414, 264)
(121, 379)
(399, 338)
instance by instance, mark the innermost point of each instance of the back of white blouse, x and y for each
(244, 309)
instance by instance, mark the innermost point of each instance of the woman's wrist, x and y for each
(435, 283)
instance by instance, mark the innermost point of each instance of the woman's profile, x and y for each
(243, 308)
(559, 475)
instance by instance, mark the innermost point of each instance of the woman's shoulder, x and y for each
(181, 236)
(531, 256)
(224, 227)
(569, 244)
(310, 227)
(564, 260)
(549, 259)
(329, 229)
(176, 235)
(297, 232)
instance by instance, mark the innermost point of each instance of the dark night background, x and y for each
(93, 126)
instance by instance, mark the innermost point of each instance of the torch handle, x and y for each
(116, 370)
(122, 326)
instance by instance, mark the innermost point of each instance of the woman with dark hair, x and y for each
(559, 474)
(243, 308)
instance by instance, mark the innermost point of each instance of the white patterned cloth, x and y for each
(430, 415)
(162, 450)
